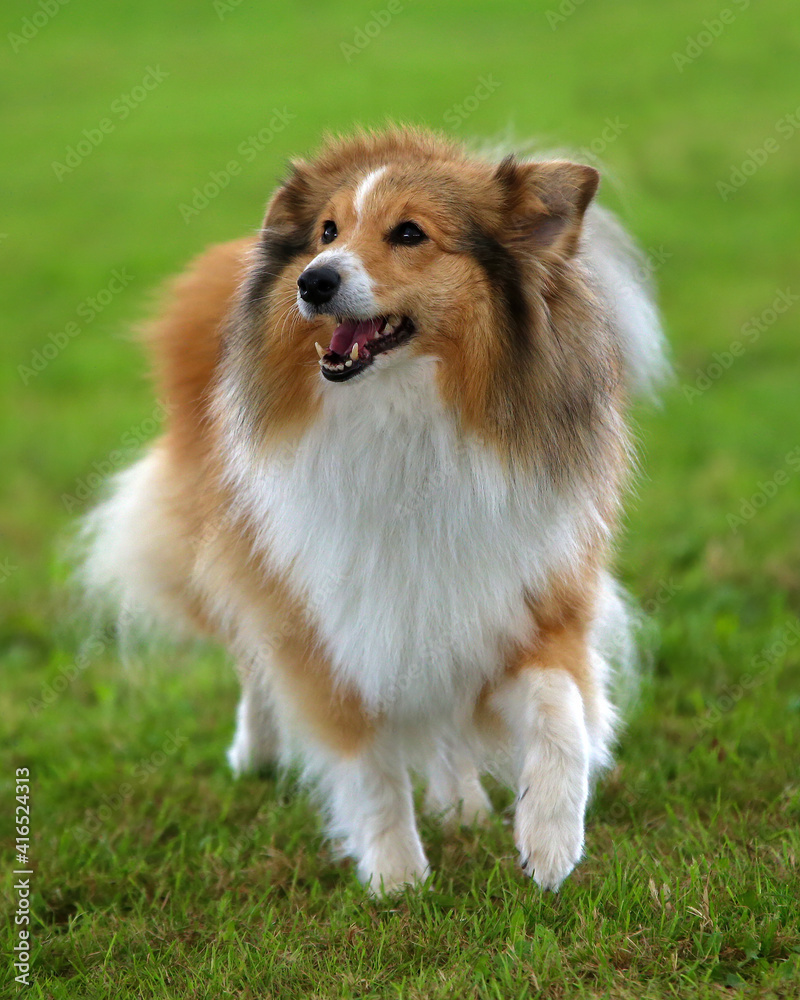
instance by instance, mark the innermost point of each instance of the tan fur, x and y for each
(185, 341)
(555, 404)
(265, 606)
(210, 546)
(411, 572)
(561, 620)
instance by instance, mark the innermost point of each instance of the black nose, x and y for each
(318, 285)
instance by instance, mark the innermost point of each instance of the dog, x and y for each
(388, 483)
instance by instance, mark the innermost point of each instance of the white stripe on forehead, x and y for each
(365, 187)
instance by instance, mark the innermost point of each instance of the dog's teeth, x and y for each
(354, 352)
(348, 364)
(320, 350)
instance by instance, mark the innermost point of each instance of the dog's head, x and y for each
(400, 245)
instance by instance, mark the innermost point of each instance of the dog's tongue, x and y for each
(351, 332)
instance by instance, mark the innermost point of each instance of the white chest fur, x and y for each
(412, 548)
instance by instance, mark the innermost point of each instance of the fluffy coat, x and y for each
(409, 568)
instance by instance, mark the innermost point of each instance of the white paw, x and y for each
(248, 757)
(239, 756)
(474, 809)
(550, 844)
(471, 812)
(390, 865)
(254, 744)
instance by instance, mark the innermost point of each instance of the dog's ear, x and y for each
(545, 202)
(292, 204)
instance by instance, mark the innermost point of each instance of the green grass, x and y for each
(158, 876)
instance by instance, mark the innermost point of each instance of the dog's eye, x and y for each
(329, 231)
(407, 234)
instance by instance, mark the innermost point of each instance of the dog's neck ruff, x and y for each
(411, 547)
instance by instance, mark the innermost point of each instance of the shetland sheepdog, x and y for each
(388, 483)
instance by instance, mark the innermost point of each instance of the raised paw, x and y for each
(550, 845)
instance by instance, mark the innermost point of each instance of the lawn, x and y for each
(136, 134)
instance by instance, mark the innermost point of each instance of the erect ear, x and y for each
(545, 202)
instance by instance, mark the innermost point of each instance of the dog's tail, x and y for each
(133, 562)
(621, 655)
(622, 277)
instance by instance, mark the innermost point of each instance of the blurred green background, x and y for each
(134, 135)
(674, 130)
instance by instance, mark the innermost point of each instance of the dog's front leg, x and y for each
(544, 711)
(255, 744)
(371, 811)
(455, 793)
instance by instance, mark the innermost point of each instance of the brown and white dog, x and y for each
(388, 482)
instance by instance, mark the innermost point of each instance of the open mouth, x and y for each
(357, 342)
